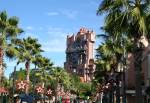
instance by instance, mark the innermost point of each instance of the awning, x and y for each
(3, 91)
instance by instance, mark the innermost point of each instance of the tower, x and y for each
(79, 54)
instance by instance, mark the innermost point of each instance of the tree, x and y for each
(28, 49)
(61, 79)
(44, 71)
(9, 30)
(110, 56)
(130, 18)
(19, 75)
(75, 81)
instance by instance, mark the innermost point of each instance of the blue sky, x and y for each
(51, 21)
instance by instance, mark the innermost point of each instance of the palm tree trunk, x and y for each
(34, 81)
(138, 67)
(27, 64)
(57, 90)
(14, 78)
(43, 95)
(1, 65)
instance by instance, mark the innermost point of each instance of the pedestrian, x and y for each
(17, 99)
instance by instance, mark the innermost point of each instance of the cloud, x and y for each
(71, 14)
(57, 32)
(10, 63)
(55, 45)
(53, 49)
(52, 39)
(52, 13)
(29, 28)
(55, 39)
(40, 28)
(27, 34)
(94, 3)
(59, 63)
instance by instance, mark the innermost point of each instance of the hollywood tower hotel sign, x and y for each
(79, 54)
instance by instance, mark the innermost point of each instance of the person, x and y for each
(17, 99)
(67, 99)
(81, 101)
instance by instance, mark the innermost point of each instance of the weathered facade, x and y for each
(79, 54)
(145, 76)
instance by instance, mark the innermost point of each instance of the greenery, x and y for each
(9, 30)
(126, 26)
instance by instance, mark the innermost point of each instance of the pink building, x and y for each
(145, 76)
(79, 54)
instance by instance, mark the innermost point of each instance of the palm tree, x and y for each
(128, 17)
(110, 56)
(44, 71)
(75, 81)
(28, 49)
(61, 79)
(20, 74)
(9, 30)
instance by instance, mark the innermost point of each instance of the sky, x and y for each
(50, 21)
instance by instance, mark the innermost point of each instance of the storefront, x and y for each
(4, 98)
